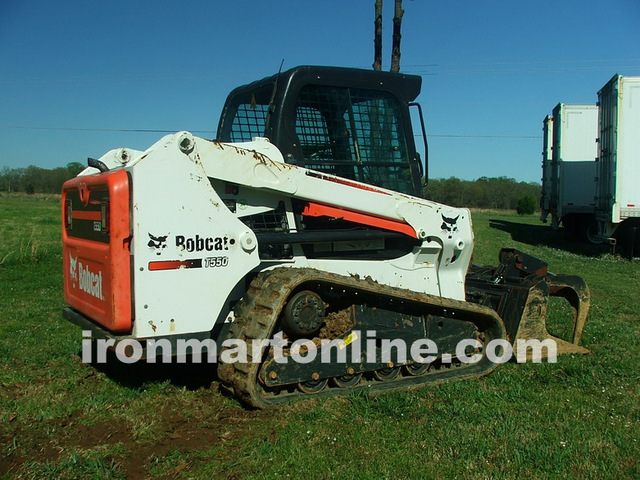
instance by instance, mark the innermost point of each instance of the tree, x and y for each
(10, 179)
(526, 205)
(37, 180)
(496, 193)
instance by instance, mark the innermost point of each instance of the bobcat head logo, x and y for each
(157, 244)
(449, 225)
(73, 267)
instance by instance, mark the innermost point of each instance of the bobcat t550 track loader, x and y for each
(303, 220)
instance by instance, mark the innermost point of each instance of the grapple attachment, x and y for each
(518, 289)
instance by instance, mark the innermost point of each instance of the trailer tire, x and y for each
(582, 228)
(591, 233)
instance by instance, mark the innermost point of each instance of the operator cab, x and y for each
(346, 122)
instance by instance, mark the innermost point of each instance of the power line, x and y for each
(530, 62)
(206, 132)
(446, 68)
(482, 136)
(620, 68)
(540, 66)
(83, 129)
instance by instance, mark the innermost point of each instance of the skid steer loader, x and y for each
(301, 226)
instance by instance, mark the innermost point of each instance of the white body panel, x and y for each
(172, 197)
(191, 254)
(618, 195)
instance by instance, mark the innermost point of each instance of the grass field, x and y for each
(60, 418)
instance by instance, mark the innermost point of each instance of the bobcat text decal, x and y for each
(89, 282)
(200, 244)
(196, 244)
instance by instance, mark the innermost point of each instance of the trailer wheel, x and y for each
(591, 233)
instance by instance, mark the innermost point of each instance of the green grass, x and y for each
(60, 418)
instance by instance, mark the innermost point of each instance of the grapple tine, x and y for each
(576, 292)
(533, 323)
(519, 290)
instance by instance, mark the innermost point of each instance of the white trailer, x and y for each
(569, 187)
(618, 194)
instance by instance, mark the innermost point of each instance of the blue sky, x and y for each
(491, 70)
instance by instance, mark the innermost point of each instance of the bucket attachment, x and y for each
(518, 290)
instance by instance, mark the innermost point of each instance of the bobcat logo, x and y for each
(73, 267)
(449, 225)
(157, 244)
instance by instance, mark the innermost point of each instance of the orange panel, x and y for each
(96, 256)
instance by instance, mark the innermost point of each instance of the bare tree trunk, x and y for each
(395, 50)
(377, 41)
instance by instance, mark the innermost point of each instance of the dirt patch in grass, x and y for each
(189, 427)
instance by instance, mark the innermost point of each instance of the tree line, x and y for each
(495, 193)
(500, 193)
(34, 179)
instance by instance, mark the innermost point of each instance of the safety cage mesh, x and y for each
(250, 117)
(353, 133)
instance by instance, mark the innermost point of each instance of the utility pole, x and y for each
(377, 40)
(395, 50)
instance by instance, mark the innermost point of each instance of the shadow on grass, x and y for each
(544, 235)
(190, 375)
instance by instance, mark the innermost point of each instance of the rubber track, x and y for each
(258, 312)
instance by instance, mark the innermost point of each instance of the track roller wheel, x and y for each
(347, 380)
(386, 374)
(415, 369)
(311, 387)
